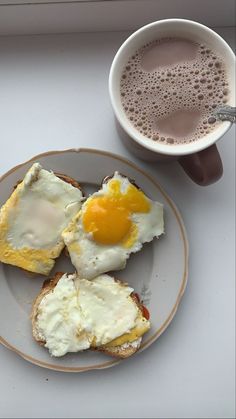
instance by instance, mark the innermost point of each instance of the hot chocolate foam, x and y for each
(170, 87)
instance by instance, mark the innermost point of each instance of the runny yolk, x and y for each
(108, 217)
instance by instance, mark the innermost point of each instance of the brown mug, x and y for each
(199, 159)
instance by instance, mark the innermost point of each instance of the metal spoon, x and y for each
(225, 113)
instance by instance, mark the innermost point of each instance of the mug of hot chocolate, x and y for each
(172, 89)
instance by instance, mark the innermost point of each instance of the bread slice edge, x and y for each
(122, 351)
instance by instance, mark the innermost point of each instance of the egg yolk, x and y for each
(108, 217)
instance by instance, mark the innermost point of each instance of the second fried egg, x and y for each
(113, 223)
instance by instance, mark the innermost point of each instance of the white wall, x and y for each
(55, 16)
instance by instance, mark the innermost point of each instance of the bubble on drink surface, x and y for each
(211, 120)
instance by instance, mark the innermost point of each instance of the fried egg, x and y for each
(113, 223)
(79, 314)
(33, 218)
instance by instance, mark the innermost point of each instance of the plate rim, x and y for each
(178, 216)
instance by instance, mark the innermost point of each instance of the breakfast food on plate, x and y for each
(72, 314)
(88, 309)
(113, 223)
(32, 219)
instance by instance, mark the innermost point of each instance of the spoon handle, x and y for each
(225, 113)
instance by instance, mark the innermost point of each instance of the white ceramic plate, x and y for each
(158, 272)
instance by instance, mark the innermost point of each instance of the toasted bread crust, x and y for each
(119, 351)
(122, 351)
(69, 180)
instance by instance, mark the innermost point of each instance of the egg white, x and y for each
(78, 314)
(32, 219)
(91, 258)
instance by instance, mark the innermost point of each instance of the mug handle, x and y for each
(204, 167)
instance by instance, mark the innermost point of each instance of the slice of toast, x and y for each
(30, 235)
(120, 351)
(113, 223)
